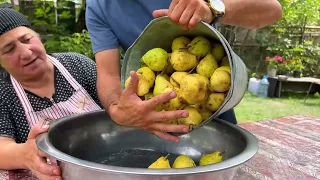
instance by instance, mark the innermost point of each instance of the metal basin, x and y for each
(92, 146)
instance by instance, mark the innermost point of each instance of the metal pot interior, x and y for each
(95, 141)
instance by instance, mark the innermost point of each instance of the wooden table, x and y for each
(306, 84)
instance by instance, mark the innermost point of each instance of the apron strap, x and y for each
(32, 119)
(65, 73)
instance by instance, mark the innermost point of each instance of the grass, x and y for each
(253, 108)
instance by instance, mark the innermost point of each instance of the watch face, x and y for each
(218, 5)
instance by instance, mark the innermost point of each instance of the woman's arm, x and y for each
(25, 155)
(12, 155)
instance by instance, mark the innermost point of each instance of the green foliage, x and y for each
(77, 42)
(286, 39)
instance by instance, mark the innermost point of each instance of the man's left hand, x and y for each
(187, 13)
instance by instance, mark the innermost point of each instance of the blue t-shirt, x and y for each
(119, 22)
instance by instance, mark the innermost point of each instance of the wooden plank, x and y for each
(302, 79)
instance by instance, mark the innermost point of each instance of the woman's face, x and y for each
(22, 53)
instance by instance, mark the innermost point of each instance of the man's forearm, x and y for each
(251, 14)
(11, 155)
(108, 77)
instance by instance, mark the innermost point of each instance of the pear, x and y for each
(225, 61)
(204, 112)
(155, 59)
(169, 69)
(161, 163)
(224, 68)
(217, 51)
(148, 74)
(211, 158)
(173, 121)
(176, 78)
(199, 46)
(179, 43)
(161, 83)
(143, 85)
(143, 65)
(173, 104)
(201, 78)
(183, 161)
(214, 101)
(181, 60)
(192, 90)
(207, 66)
(220, 81)
(194, 118)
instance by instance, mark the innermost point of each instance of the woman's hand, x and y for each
(131, 111)
(36, 160)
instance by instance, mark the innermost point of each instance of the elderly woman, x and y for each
(36, 87)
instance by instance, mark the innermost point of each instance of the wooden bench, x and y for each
(305, 84)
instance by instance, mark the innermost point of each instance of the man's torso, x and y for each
(128, 18)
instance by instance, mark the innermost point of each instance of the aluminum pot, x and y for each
(92, 146)
(160, 32)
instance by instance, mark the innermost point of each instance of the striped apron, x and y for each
(79, 102)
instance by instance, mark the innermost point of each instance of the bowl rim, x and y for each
(44, 145)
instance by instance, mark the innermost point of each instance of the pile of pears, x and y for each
(196, 69)
(184, 161)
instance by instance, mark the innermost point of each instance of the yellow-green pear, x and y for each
(225, 61)
(204, 112)
(181, 60)
(199, 46)
(183, 161)
(220, 81)
(143, 85)
(207, 66)
(155, 59)
(224, 68)
(214, 101)
(192, 90)
(161, 163)
(211, 158)
(173, 104)
(176, 78)
(217, 51)
(194, 118)
(201, 78)
(180, 42)
(148, 74)
(169, 69)
(161, 83)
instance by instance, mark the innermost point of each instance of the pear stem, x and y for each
(193, 68)
(166, 157)
(221, 153)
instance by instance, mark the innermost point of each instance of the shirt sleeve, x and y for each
(6, 125)
(100, 32)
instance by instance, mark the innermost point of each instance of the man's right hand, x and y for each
(131, 111)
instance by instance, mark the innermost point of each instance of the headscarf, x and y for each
(10, 18)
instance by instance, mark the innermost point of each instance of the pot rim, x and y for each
(43, 144)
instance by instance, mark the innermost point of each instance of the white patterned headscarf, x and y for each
(10, 19)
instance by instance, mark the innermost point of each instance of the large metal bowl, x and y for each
(92, 146)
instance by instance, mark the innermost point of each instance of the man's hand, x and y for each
(131, 111)
(187, 13)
